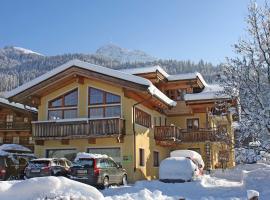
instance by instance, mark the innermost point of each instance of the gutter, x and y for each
(134, 131)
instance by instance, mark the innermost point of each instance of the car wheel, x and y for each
(105, 182)
(124, 180)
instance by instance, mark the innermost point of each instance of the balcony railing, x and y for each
(15, 125)
(166, 133)
(78, 128)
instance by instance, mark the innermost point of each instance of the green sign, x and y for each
(127, 158)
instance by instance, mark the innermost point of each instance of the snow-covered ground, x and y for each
(229, 184)
(49, 188)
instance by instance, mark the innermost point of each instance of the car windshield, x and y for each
(86, 162)
(39, 163)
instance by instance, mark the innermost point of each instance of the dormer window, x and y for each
(103, 104)
(64, 107)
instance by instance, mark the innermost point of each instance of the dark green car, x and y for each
(12, 165)
(100, 172)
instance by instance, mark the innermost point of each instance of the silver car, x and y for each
(47, 167)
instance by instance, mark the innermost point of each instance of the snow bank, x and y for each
(14, 147)
(48, 188)
(143, 194)
(176, 169)
(220, 185)
(89, 155)
(188, 153)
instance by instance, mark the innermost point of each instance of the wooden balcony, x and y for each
(14, 126)
(79, 128)
(173, 133)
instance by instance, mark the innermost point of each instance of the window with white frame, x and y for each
(64, 107)
(102, 104)
(9, 118)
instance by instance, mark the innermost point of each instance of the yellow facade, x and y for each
(144, 136)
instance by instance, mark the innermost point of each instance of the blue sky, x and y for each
(177, 29)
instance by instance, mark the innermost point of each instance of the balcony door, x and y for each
(193, 124)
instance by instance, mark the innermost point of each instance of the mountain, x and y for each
(122, 55)
(12, 56)
(19, 65)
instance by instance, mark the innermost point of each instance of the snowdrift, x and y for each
(48, 188)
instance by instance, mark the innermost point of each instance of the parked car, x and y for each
(177, 169)
(47, 167)
(192, 155)
(97, 170)
(12, 165)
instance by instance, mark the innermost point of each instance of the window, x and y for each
(64, 107)
(114, 152)
(16, 140)
(69, 154)
(9, 118)
(141, 154)
(25, 120)
(103, 104)
(156, 159)
(193, 124)
(176, 94)
(1, 140)
(111, 163)
(142, 118)
(31, 141)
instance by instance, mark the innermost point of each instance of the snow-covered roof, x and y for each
(142, 70)
(4, 153)
(209, 92)
(14, 147)
(18, 105)
(99, 69)
(175, 77)
(43, 159)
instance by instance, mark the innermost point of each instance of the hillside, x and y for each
(18, 65)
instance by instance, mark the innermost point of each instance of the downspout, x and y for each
(134, 131)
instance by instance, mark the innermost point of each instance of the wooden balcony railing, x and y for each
(79, 128)
(164, 133)
(15, 125)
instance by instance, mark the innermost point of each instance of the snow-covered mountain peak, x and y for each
(26, 51)
(123, 55)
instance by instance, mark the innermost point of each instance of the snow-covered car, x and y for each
(177, 169)
(193, 155)
(97, 170)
